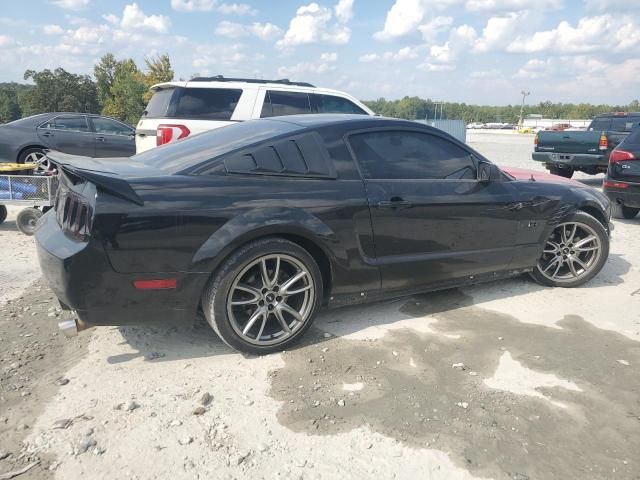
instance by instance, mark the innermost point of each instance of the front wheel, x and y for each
(620, 211)
(27, 220)
(264, 297)
(3, 213)
(574, 253)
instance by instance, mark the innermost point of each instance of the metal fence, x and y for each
(31, 189)
(455, 128)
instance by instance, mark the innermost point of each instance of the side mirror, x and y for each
(485, 172)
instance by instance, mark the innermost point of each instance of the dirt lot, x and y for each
(503, 380)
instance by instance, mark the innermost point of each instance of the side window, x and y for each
(75, 123)
(623, 124)
(278, 103)
(110, 127)
(410, 155)
(207, 103)
(332, 104)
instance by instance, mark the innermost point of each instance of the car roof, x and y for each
(325, 119)
(298, 87)
(618, 115)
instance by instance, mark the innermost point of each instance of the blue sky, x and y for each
(476, 51)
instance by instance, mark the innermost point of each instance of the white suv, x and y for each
(179, 109)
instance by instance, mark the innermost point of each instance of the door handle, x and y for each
(47, 134)
(395, 202)
(100, 139)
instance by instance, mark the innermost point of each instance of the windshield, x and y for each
(195, 150)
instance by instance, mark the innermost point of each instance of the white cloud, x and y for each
(591, 34)
(193, 5)
(134, 18)
(344, 10)
(402, 18)
(324, 65)
(237, 9)
(510, 5)
(444, 57)
(405, 53)
(264, 31)
(329, 57)
(206, 56)
(52, 29)
(500, 31)
(71, 4)
(313, 24)
(610, 5)
(6, 41)
(112, 19)
(434, 27)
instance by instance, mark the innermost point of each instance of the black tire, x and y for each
(3, 213)
(216, 293)
(22, 158)
(561, 172)
(603, 238)
(27, 219)
(620, 211)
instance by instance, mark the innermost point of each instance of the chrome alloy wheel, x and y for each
(34, 157)
(271, 299)
(571, 251)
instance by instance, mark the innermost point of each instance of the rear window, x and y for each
(159, 103)
(192, 151)
(623, 124)
(332, 104)
(207, 103)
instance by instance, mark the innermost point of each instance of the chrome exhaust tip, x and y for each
(69, 328)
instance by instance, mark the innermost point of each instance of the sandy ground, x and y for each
(503, 380)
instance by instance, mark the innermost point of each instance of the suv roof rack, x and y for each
(220, 78)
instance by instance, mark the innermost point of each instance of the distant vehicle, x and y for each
(180, 109)
(25, 140)
(476, 125)
(565, 152)
(261, 223)
(622, 183)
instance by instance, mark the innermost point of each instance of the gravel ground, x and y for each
(503, 380)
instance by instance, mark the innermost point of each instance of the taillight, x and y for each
(535, 140)
(621, 155)
(604, 142)
(611, 184)
(170, 133)
(74, 216)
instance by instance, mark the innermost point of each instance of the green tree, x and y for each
(60, 91)
(104, 72)
(9, 107)
(158, 70)
(126, 101)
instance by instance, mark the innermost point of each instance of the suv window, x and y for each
(277, 103)
(410, 155)
(600, 124)
(332, 104)
(623, 124)
(159, 103)
(207, 103)
(75, 123)
(110, 127)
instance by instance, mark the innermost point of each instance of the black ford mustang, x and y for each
(261, 223)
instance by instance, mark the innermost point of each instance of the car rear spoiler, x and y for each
(95, 171)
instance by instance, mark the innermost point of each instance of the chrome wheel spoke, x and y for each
(577, 260)
(553, 262)
(572, 267)
(294, 313)
(257, 295)
(284, 289)
(259, 313)
(568, 238)
(554, 247)
(283, 323)
(579, 244)
(297, 291)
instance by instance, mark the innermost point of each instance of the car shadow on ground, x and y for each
(8, 226)
(167, 341)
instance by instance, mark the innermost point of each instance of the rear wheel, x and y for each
(31, 155)
(264, 297)
(620, 211)
(27, 219)
(3, 213)
(574, 253)
(561, 172)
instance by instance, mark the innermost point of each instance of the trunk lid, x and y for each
(569, 142)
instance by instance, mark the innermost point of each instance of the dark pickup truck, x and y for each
(587, 151)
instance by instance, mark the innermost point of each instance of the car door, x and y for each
(433, 222)
(68, 133)
(113, 138)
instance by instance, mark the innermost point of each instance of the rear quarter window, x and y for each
(159, 103)
(207, 103)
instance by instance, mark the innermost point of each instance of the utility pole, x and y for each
(525, 94)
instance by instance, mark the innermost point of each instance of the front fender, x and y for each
(261, 222)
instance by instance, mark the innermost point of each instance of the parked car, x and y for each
(179, 109)
(89, 135)
(262, 222)
(565, 152)
(475, 125)
(622, 183)
(558, 127)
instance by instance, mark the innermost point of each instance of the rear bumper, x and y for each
(570, 159)
(629, 197)
(81, 276)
